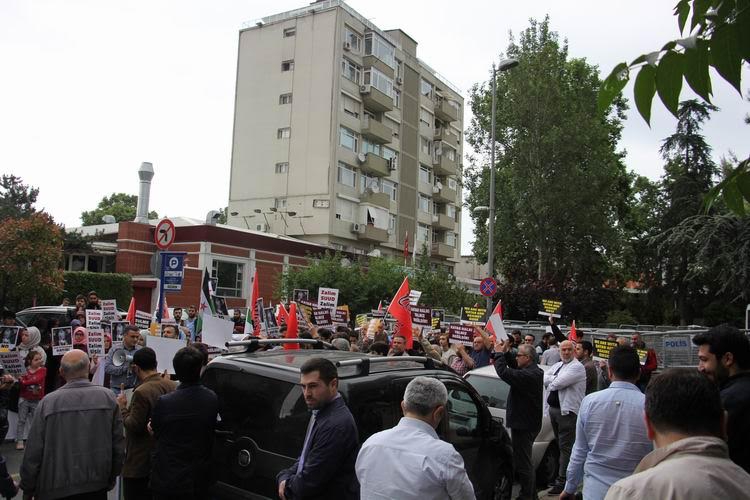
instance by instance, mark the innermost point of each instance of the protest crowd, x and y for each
(98, 408)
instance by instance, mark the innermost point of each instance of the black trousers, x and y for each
(135, 488)
(523, 441)
(564, 427)
(93, 495)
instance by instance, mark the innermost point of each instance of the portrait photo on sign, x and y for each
(62, 336)
(118, 330)
(9, 335)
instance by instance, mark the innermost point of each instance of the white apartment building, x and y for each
(343, 137)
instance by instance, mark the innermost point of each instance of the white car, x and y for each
(494, 391)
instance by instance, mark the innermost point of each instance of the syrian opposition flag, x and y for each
(206, 304)
(400, 309)
(495, 323)
(292, 330)
(252, 310)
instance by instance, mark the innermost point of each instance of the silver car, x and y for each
(494, 391)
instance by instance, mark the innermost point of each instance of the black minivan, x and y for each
(263, 416)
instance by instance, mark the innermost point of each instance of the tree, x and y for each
(121, 206)
(718, 37)
(561, 185)
(30, 266)
(16, 199)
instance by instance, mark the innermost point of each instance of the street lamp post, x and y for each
(504, 65)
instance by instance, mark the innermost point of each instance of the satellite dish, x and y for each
(109, 219)
(361, 157)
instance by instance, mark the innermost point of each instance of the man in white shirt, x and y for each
(565, 383)
(410, 461)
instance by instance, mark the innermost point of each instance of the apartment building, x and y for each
(343, 137)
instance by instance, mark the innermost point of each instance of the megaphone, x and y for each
(121, 357)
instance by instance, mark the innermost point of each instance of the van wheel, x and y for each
(547, 470)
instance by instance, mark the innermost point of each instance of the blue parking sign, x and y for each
(172, 270)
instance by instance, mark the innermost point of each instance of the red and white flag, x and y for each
(400, 309)
(292, 330)
(495, 323)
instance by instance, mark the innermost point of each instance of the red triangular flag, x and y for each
(292, 331)
(253, 307)
(495, 322)
(282, 315)
(130, 318)
(400, 308)
(573, 335)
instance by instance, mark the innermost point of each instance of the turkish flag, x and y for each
(282, 316)
(400, 309)
(253, 301)
(292, 330)
(495, 323)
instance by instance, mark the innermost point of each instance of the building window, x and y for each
(351, 71)
(282, 168)
(392, 223)
(346, 175)
(368, 182)
(423, 233)
(348, 139)
(287, 65)
(279, 203)
(391, 189)
(424, 174)
(426, 118)
(450, 238)
(450, 153)
(390, 154)
(90, 263)
(452, 184)
(425, 145)
(370, 147)
(399, 69)
(351, 107)
(285, 99)
(228, 276)
(424, 203)
(284, 133)
(345, 210)
(379, 81)
(426, 89)
(377, 46)
(397, 98)
(290, 32)
(354, 39)
(450, 211)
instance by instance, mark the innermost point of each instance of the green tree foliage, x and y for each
(29, 264)
(561, 187)
(121, 206)
(718, 38)
(108, 285)
(16, 199)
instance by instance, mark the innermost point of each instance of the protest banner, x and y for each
(473, 316)
(551, 308)
(109, 310)
(13, 363)
(306, 308)
(438, 317)
(341, 316)
(602, 347)
(322, 316)
(642, 355)
(118, 332)
(95, 343)
(361, 320)
(142, 320)
(374, 326)
(270, 325)
(377, 313)
(62, 340)
(299, 295)
(165, 349)
(216, 331)
(328, 297)
(220, 305)
(94, 321)
(9, 336)
(461, 334)
(414, 296)
(421, 316)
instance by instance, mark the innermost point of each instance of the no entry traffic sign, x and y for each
(165, 234)
(488, 287)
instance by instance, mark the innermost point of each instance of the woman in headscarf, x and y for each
(80, 339)
(28, 340)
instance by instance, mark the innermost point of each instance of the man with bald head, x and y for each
(76, 445)
(565, 383)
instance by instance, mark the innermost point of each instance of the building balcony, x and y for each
(372, 233)
(446, 112)
(443, 250)
(443, 165)
(382, 200)
(374, 164)
(375, 99)
(442, 221)
(443, 194)
(372, 60)
(376, 131)
(446, 135)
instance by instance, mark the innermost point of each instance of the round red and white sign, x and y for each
(164, 234)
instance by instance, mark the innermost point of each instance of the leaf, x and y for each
(638, 60)
(724, 55)
(669, 45)
(731, 177)
(696, 70)
(682, 10)
(644, 90)
(612, 86)
(743, 184)
(743, 28)
(733, 198)
(669, 80)
(699, 11)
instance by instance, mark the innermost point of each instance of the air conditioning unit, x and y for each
(391, 164)
(364, 89)
(358, 228)
(347, 46)
(399, 81)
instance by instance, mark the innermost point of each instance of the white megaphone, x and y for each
(121, 357)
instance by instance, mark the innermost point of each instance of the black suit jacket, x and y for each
(524, 408)
(328, 470)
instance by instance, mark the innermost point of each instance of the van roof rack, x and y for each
(366, 362)
(255, 344)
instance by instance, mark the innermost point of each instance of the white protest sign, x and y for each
(13, 363)
(328, 297)
(216, 331)
(109, 310)
(96, 344)
(142, 320)
(414, 296)
(94, 321)
(62, 340)
(165, 349)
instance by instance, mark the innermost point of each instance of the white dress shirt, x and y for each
(570, 384)
(410, 462)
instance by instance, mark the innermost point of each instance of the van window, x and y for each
(493, 390)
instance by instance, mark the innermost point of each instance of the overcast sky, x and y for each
(91, 88)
